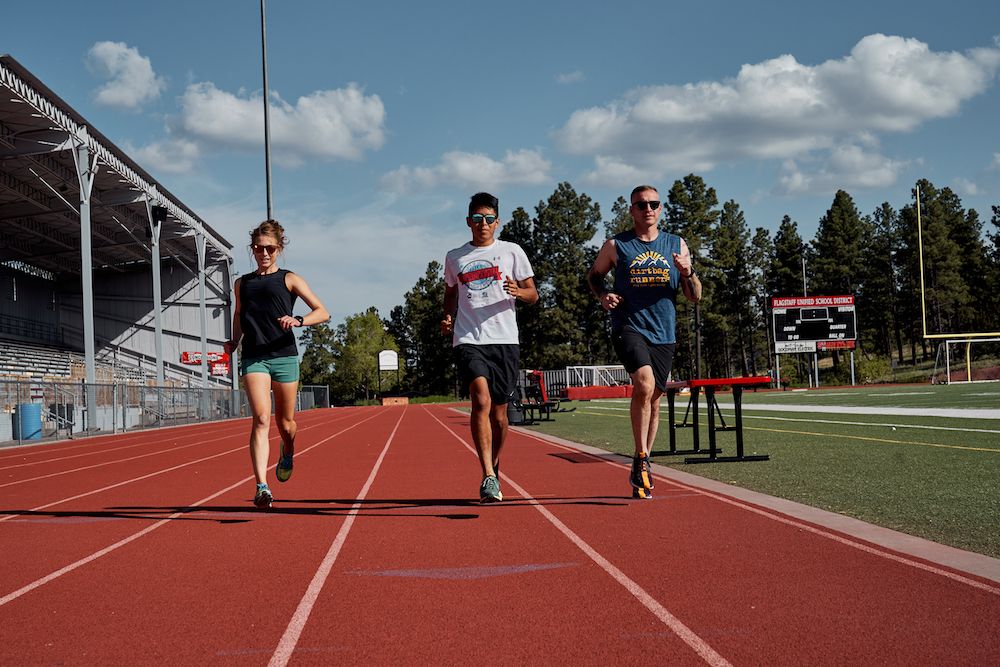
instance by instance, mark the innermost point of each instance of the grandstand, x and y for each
(105, 276)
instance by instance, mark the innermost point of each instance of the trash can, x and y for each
(28, 421)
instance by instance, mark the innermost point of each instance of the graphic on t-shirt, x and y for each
(479, 275)
(649, 269)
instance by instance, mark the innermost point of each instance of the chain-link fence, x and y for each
(37, 410)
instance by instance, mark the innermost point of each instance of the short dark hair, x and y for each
(642, 188)
(484, 199)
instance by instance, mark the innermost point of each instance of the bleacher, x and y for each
(20, 359)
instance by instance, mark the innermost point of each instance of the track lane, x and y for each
(770, 590)
(432, 577)
(203, 579)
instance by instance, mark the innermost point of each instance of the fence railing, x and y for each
(36, 410)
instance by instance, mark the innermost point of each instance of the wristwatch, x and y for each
(692, 274)
(300, 318)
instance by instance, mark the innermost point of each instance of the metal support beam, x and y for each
(85, 171)
(202, 309)
(155, 221)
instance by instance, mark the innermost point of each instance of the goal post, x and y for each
(965, 360)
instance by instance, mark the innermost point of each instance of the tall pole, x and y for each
(267, 113)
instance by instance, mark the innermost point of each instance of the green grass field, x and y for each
(935, 477)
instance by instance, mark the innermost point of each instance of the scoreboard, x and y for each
(813, 323)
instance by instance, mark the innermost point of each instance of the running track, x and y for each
(144, 548)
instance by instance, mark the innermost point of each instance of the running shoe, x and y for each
(263, 497)
(645, 494)
(284, 470)
(489, 491)
(641, 478)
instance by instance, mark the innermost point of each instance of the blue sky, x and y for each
(387, 116)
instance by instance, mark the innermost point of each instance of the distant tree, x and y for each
(416, 325)
(691, 211)
(563, 225)
(731, 258)
(621, 218)
(839, 254)
(761, 251)
(784, 276)
(521, 230)
(317, 358)
(355, 348)
(878, 307)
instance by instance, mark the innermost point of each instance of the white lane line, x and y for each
(793, 522)
(286, 646)
(688, 636)
(10, 597)
(116, 461)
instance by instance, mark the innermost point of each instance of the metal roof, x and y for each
(40, 190)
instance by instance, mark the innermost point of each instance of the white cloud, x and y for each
(345, 259)
(472, 170)
(964, 186)
(846, 166)
(567, 78)
(780, 109)
(175, 156)
(996, 161)
(132, 81)
(328, 124)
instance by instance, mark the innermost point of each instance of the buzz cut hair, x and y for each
(642, 188)
(481, 199)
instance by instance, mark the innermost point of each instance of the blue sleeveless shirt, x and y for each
(647, 279)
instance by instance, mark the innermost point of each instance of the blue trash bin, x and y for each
(28, 421)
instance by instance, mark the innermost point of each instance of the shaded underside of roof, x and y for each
(40, 191)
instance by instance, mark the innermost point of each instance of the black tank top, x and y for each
(263, 299)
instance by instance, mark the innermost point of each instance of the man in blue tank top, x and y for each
(650, 265)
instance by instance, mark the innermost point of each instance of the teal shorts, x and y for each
(281, 369)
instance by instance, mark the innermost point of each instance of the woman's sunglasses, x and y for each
(269, 249)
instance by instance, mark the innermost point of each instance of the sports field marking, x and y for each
(688, 636)
(133, 458)
(995, 590)
(900, 393)
(846, 437)
(241, 448)
(847, 423)
(10, 597)
(286, 646)
(92, 452)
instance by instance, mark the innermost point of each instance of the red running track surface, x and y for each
(145, 549)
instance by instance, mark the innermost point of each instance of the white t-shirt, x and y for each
(485, 311)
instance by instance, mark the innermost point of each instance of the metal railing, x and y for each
(41, 410)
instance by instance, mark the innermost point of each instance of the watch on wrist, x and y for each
(300, 319)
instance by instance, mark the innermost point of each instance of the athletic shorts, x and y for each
(499, 364)
(281, 369)
(635, 351)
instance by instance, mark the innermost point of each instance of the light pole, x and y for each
(267, 113)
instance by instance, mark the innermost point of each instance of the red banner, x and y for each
(194, 358)
(835, 344)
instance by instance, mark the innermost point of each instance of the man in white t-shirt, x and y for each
(483, 280)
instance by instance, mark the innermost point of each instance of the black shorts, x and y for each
(635, 351)
(499, 364)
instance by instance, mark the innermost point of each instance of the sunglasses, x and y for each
(479, 219)
(269, 249)
(642, 205)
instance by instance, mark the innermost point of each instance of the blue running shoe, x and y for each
(489, 491)
(284, 470)
(262, 499)
(645, 494)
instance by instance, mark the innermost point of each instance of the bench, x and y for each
(710, 385)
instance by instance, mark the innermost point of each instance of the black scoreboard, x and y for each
(811, 323)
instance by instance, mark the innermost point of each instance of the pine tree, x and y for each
(691, 211)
